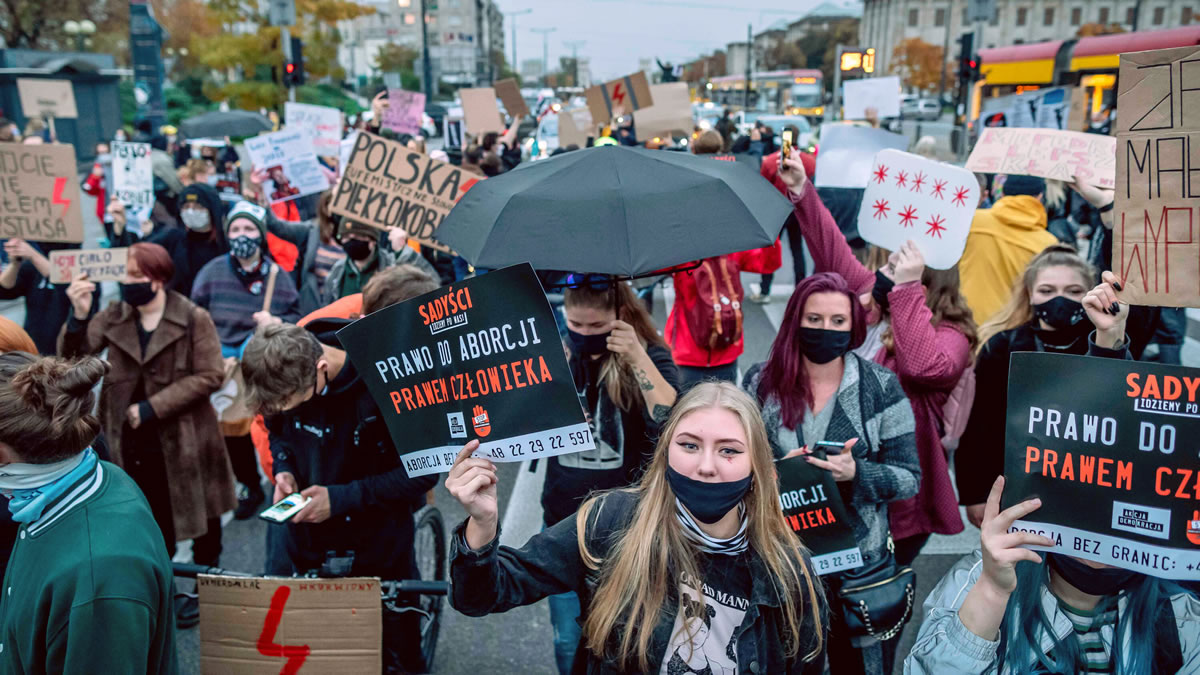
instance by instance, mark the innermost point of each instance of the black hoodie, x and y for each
(338, 440)
(46, 305)
(190, 250)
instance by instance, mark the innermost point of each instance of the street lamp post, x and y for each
(513, 16)
(80, 30)
(545, 52)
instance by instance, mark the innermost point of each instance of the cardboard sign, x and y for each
(101, 264)
(848, 153)
(387, 185)
(880, 93)
(323, 122)
(290, 162)
(46, 98)
(267, 626)
(478, 359)
(929, 202)
(619, 97)
(812, 506)
(1156, 221)
(575, 126)
(404, 111)
(480, 111)
(133, 180)
(1114, 435)
(509, 93)
(1047, 153)
(40, 193)
(671, 114)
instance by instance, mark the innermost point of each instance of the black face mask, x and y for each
(1090, 580)
(1060, 312)
(357, 249)
(588, 345)
(823, 346)
(883, 286)
(138, 294)
(707, 502)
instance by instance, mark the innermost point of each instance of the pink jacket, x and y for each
(928, 359)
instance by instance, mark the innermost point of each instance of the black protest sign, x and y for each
(1106, 445)
(387, 185)
(813, 508)
(479, 359)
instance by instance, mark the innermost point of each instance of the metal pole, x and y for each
(1137, 15)
(285, 36)
(945, 55)
(426, 64)
(514, 15)
(832, 110)
(545, 32)
(749, 67)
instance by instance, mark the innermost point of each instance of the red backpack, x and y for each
(715, 320)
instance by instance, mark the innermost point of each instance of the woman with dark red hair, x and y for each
(154, 404)
(813, 389)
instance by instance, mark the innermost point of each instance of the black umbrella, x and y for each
(218, 124)
(614, 210)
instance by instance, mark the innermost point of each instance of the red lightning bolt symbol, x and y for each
(59, 185)
(295, 655)
(618, 96)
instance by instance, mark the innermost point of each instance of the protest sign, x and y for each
(323, 122)
(509, 93)
(387, 185)
(848, 153)
(41, 193)
(880, 93)
(1047, 153)
(480, 112)
(929, 202)
(618, 97)
(813, 508)
(267, 626)
(574, 127)
(133, 180)
(290, 162)
(101, 264)
(1113, 435)
(1077, 117)
(480, 359)
(403, 112)
(1156, 229)
(46, 98)
(671, 114)
(345, 149)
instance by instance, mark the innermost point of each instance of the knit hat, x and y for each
(356, 227)
(252, 212)
(1023, 185)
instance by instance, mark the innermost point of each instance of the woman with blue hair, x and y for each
(1006, 609)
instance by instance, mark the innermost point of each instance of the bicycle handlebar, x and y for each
(418, 587)
(191, 571)
(403, 586)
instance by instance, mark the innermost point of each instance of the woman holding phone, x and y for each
(694, 568)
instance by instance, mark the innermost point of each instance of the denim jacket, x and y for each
(498, 578)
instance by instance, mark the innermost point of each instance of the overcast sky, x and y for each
(619, 32)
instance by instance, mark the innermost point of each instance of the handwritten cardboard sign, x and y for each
(1156, 217)
(1047, 153)
(510, 95)
(574, 127)
(880, 93)
(403, 112)
(267, 626)
(387, 185)
(46, 98)
(619, 97)
(812, 506)
(133, 180)
(39, 193)
(480, 111)
(1115, 436)
(290, 162)
(929, 202)
(101, 264)
(671, 114)
(323, 122)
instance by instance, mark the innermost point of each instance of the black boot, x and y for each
(250, 497)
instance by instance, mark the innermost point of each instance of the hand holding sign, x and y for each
(907, 264)
(1106, 312)
(472, 481)
(1001, 550)
(80, 294)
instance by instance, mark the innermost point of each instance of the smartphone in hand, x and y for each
(788, 142)
(284, 509)
(830, 447)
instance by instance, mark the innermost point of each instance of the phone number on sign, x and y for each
(544, 444)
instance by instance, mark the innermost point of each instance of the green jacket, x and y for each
(89, 587)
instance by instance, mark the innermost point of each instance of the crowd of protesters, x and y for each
(222, 385)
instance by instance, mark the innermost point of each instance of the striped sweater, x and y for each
(218, 289)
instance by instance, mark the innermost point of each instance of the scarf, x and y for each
(734, 545)
(32, 487)
(252, 279)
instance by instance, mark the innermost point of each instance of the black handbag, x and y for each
(877, 600)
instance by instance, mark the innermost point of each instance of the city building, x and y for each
(532, 71)
(821, 19)
(737, 55)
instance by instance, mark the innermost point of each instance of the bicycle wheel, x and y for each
(429, 553)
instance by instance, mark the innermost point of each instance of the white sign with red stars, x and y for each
(929, 202)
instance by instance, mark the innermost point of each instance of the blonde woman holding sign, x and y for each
(693, 568)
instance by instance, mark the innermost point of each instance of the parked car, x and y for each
(929, 109)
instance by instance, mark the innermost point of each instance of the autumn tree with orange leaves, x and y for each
(919, 64)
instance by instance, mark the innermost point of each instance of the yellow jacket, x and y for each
(1002, 241)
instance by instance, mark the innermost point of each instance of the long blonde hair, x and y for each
(1019, 309)
(651, 556)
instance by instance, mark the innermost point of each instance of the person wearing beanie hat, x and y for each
(1002, 241)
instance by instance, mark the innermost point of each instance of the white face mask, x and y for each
(195, 219)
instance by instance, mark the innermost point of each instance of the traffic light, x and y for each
(293, 70)
(968, 62)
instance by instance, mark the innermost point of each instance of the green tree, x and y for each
(394, 58)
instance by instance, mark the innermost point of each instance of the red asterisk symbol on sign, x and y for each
(907, 216)
(881, 208)
(938, 187)
(918, 181)
(880, 173)
(935, 226)
(901, 179)
(960, 196)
